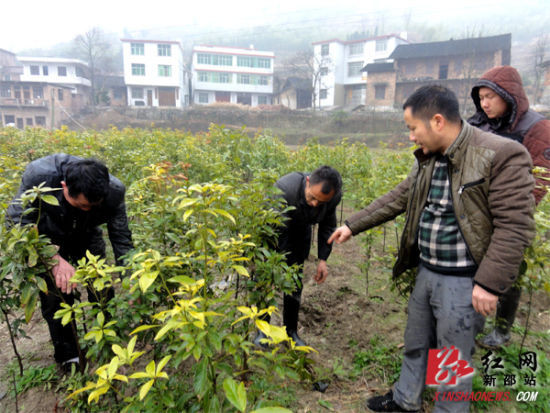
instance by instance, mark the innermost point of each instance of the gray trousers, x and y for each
(440, 314)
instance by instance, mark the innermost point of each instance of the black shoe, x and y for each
(67, 367)
(294, 336)
(494, 340)
(258, 341)
(385, 403)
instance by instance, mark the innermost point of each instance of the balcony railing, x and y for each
(18, 102)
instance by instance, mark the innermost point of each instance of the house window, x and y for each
(380, 92)
(249, 61)
(263, 80)
(138, 49)
(35, 70)
(264, 63)
(45, 70)
(138, 69)
(222, 60)
(381, 45)
(244, 61)
(38, 92)
(324, 49)
(323, 71)
(61, 71)
(203, 76)
(203, 59)
(443, 71)
(5, 91)
(323, 94)
(354, 68)
(137, 93)
(243, 79)
(356, 49)
(225, 78)
(164, 49)
(59, 94)
(9, 119)
(29, 121)
(117, 94)
(165, 70)
(20, 123)
(262, 100)
(203, 97)
(40, 120)
(26, 93)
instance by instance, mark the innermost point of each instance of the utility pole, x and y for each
(52, 123)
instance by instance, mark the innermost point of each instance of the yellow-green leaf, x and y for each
(29, 308)
(145, 389)
(235, 393)
(241, 270)
(50, 199)
(147, 279)
(142, 328)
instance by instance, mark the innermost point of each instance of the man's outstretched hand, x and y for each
(340, 235)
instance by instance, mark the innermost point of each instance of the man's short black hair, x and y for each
(88, 177)
(330, 178)
(429, 100)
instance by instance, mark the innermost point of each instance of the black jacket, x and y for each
(72, 229)
(295, 236)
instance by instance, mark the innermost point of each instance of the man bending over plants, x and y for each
(88, 196)
(469, 207)
(313, 199)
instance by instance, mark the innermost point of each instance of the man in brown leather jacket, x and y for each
(469, 207)
(502, 108)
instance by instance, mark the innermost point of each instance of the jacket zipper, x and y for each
(463, 187)
(460, 190)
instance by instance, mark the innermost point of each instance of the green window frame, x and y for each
(137, 49)
(165, 70)
(138, 69)
(164, 49)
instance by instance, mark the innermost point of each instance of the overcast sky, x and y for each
(38, 23)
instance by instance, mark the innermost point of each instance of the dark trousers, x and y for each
(63, 338)
(506, 311)
(291, 305)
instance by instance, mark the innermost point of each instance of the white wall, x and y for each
(151, 80)
(52, 76)
(233, 87)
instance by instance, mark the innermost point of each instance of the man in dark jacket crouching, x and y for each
(313, 199)
(88, 196)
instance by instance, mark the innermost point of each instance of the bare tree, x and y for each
(95, 50)
(540, 49)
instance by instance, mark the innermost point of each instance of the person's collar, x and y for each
(456, 147)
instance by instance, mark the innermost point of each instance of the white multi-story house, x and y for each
(69, 73)
(154, 73)
(338, 80)
(230, 74)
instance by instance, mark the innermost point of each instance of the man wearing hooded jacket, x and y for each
(502, 108)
